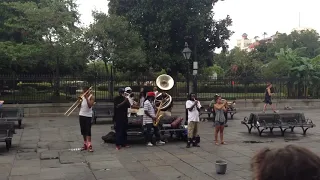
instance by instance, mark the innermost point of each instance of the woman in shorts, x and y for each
(220, 120)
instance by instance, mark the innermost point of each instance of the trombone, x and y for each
(77, 103)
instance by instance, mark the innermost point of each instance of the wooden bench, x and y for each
(283, 121)
(102, 111)
(12, 114)
(6, 133)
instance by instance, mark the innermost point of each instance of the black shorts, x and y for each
(85, 125)
(268, 101)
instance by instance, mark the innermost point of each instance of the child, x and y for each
(220, 119)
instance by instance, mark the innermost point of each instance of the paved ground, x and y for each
(42, 151)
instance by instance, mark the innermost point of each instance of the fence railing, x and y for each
(50, 89)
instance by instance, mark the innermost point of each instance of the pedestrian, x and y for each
(120, 118)
(267, 98)
(148, 118)
(193, 106)
(85, 116)
(220, 120)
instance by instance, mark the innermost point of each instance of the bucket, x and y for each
(221, 167)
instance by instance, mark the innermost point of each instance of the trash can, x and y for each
(221, 167)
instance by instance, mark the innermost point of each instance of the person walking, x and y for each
(267, 98)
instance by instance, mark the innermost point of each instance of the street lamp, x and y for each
(187, 54)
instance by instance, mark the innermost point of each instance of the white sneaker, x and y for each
(160, 143)
(149, 144)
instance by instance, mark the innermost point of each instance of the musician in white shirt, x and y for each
(193, 106)
(85, 116)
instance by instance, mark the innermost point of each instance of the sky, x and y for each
(249, 16)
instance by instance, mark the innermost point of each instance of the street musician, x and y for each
(85, 116)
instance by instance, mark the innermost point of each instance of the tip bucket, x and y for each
(221, 167)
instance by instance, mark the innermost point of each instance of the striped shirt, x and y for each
(147, 106)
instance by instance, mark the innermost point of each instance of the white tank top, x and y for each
(84, 109)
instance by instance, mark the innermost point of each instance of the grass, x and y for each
(104, 95)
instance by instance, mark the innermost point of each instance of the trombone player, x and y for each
(85, 116)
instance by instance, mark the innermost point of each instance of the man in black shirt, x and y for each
(120, 118)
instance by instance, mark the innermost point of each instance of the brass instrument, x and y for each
(164, 82)
(77, 103)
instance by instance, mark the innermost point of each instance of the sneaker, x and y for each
(118, 148)
(160, 143)
(276, 111)
(149, 144)
(84, 148)
(126, 146)
(90, 149)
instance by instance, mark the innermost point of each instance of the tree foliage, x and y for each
(166, 24)
(112, 41)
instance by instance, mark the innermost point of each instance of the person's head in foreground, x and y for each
(288, 163)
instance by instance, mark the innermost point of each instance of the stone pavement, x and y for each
(46, 149)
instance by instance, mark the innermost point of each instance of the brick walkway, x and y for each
(47, 149)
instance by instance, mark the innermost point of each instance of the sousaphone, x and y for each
(163, 100)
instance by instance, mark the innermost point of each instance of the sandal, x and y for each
(224, 143)
(217, 143)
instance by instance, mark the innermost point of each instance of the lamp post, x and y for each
(187, 54)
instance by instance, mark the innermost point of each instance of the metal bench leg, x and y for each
(260, 131)
(271, 130)
(19, 124)
(283, 131)
(249, 128)
(8, 144)
(305, 130)
(292, 128)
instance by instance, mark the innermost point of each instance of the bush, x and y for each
(37, 86)
(28, 90)
(232, 89)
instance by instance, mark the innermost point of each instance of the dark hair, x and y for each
(288, 163)
(216, 97)
(191, 94)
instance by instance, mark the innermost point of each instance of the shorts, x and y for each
(268, 101)
(85, 125)
(217, 123)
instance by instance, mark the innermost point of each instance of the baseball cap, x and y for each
(128, 89)
(151, 94)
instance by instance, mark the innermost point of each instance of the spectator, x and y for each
(288, 163)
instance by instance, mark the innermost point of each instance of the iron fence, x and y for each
(51, 89)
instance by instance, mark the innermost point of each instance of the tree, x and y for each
(165, 26)
(113, 42)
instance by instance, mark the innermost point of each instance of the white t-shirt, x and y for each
(84, 109)
(193, 115)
